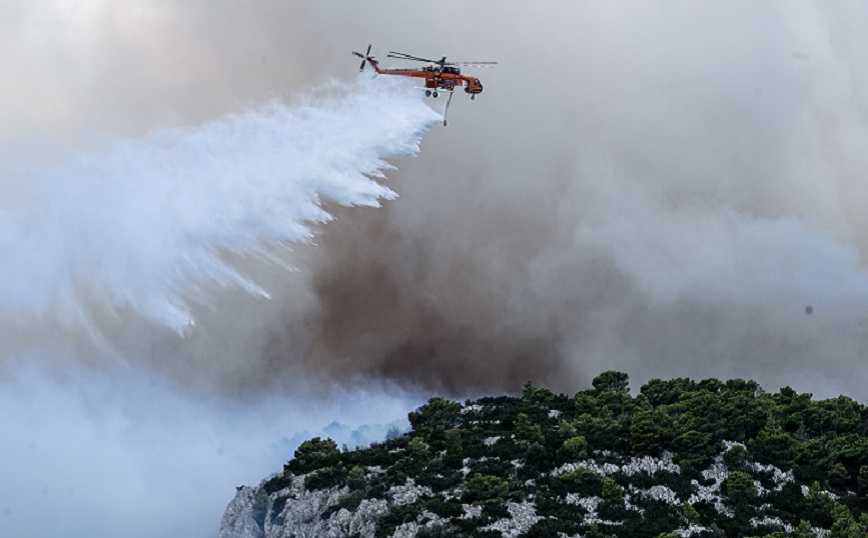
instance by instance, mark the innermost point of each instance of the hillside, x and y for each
(681, 458)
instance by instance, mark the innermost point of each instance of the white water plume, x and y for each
(143, 224)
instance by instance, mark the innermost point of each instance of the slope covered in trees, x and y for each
(680, 458)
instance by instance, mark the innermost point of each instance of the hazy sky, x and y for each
(662, 188)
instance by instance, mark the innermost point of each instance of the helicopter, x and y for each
(439, 75)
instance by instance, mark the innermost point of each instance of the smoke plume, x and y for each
(664, 190)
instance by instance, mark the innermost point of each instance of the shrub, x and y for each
(483, 489)
(314, 454)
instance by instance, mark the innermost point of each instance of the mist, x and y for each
(667, 189)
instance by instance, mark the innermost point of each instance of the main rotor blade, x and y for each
(472, 64)
(359, 54)
(408, 57)
(369, 50)
(402, 56)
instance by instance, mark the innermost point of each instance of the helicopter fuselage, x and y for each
(446, 79)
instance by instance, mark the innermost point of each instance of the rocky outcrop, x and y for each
(239, 520)
(297, 512)
(681, 458)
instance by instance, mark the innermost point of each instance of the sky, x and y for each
(198, 269)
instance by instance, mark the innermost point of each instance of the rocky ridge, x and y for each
(545, 465)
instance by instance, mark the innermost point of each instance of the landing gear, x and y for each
(472, 97)
(435, 95)
(427, 93)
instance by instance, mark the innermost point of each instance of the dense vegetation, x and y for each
(545, 449)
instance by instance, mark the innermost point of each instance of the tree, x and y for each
(837, 475)
(659, 392)
(314, 454)
(690, 513)
(804, 530)
(863, 480)
(534, 395)
(417, 446)
(438, 413)
(695, 449)
(583, 481)
(818, 507)
(356, 478)
(844, 525)
(735, 457)
(611, 381)
(576, 447)
(740, 488)
(482, 489)
(433, 419)
(527, 430)
(611, 490)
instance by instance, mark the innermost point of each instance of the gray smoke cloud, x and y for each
(667, 189)
(662, 189)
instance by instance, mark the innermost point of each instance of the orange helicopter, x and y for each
(439, 76)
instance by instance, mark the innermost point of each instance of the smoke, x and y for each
(660, 189)
(665, 189)
(83, 458)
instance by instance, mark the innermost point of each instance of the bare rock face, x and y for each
(522, 517)
(301, 513)
(238, 519)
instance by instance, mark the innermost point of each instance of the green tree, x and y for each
(454, 448)
(735, 457)
(314, 454)
(566, 429)
(482, 489)
(576, 447)
(773, 445)
(527, 430)
(433, 419)
(417, 446)
(804, 530)
(818, 507)
(652, 431)
(837, 475)
(863, 480)
(356, 478)
(695, 449)
(438, 413)
(611, 491)
(538, 396)
(611, 381)
(690, 513)
(583, 481)
(740, 488)
(844, 525)
(658, 392)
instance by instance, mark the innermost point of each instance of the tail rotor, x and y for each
(365, 57)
